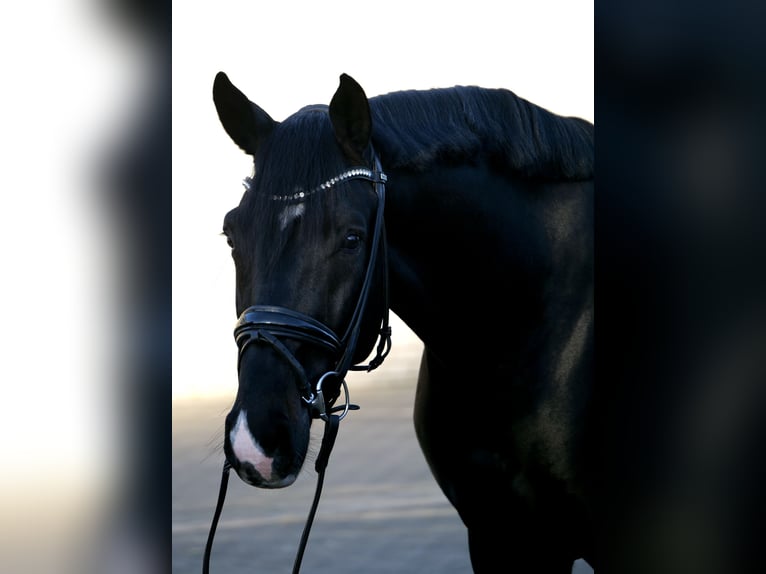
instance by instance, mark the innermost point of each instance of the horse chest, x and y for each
(521, 447)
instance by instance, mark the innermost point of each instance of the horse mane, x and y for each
(413, 129)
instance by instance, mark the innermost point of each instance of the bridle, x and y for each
(266, 324)
(269, 324)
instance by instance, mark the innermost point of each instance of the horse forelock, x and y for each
(298, 156)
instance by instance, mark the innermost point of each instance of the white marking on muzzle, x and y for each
(247, 449)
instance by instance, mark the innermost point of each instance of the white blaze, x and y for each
(289, 213)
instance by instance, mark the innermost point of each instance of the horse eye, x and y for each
(352, 241)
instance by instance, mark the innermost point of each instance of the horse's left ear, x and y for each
(351, 119)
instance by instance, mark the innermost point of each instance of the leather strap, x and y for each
(328, 440)
(286, 322)
(216, 516)
(332, 424)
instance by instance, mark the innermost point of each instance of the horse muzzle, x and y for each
(271, 462)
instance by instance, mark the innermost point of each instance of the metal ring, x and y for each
(320, 396)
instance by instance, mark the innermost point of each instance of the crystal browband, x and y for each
(355, 173)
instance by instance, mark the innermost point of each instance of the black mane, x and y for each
(413, 129)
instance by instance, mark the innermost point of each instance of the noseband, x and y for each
(269, 324)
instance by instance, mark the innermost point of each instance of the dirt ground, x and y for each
(380, 512)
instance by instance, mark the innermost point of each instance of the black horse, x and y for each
(486, 252)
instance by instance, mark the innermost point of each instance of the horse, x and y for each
(468, 212)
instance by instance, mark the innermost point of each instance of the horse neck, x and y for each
(472, 252)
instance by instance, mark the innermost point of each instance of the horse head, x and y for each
(306, 239)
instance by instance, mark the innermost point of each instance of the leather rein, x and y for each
(268, 324)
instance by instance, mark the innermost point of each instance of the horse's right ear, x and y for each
(247, 124)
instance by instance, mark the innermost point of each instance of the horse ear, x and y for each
(351, 119)
(247, 124)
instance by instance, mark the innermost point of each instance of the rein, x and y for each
(266, 324)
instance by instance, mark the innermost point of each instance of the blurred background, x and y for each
(85, 233)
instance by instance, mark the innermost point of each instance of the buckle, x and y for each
(317, 402)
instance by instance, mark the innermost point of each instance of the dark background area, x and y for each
(680, 330)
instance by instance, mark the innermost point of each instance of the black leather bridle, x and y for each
(268, 325)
